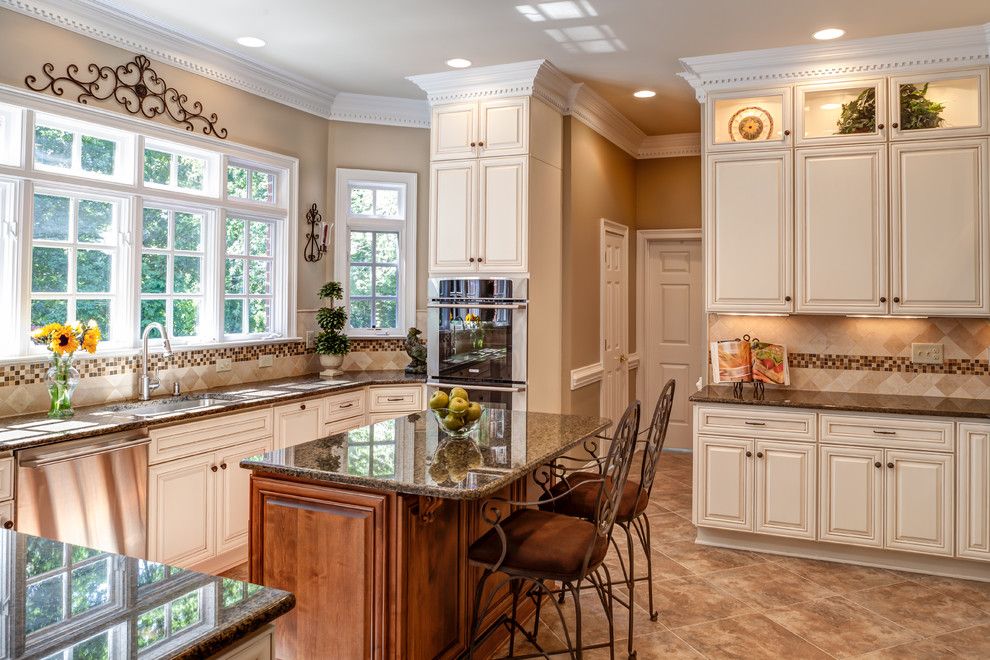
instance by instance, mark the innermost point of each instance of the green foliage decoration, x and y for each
(331, 340)
(918, 111)
(860, 114)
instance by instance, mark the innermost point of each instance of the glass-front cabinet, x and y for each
(846, 112)
(932, 105)
(747, 120)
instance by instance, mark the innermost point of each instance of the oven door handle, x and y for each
(483, 388)
(468, 305)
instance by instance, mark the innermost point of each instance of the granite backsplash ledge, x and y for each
(106, 379)
(873, 355)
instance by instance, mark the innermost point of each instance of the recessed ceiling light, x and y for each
(644, 94)
(828, 33)
(459, 63)
(251, 42)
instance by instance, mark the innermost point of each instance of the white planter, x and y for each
(331, 361)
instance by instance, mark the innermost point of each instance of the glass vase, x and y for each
(62, 379)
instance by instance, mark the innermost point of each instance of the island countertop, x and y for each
(69, 601)
(897, 404)
(412, 455)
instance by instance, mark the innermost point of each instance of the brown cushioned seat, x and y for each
(583, 498)
(540, 543)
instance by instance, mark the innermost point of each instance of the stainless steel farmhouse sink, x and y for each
(171, 405)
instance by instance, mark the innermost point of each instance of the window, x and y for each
(10, 134)
(170, 619)
(79, 149)
(371, 450)
(247, 183)
(176, 168)
(376, 250)
(248, 276)
(74, 245)
(172, 269)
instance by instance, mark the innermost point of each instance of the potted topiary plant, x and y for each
(331, 343)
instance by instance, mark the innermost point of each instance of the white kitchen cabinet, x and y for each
(233, 494)
(182, 510)
(841, 230)
(725, 482)
(502, 218)
(785, 495)
(749, 227)
(296, 423)
(962, 95)
(819, 112)
(851, 495)
(918, 503)
(453, 216)
(973, 491)
(7, 514)
(750, 119)
(940, 254)
(497, 127)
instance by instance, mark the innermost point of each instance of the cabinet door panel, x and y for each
(841, 226)
(453, 131)
(181, 509)
(939, 228)
(296, 423)
(748, 237)
(973, 488)
(725, 483)
(502, 221)
(851, 495)
(234, 493)
(785, 489)
(504, 127)
(453, 216)
(919, 502)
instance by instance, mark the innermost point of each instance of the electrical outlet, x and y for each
(224, 364)
(927, 353)
(267, 360)
(310, 339)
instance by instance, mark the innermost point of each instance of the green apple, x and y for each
(458, 405)
(459, 392)
(473, 411)
(439, 400)
(453, 422)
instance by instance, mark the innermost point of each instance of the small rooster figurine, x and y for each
(416, 348)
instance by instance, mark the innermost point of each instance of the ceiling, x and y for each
(616, 46)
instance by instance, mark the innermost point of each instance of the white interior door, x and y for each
(673, 332)
(614, 320)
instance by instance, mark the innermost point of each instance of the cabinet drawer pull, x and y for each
(346, 405)
(396, 399)
(879, 432)
(748, 423)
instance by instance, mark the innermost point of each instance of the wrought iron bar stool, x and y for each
(569, 495)
(530, 548)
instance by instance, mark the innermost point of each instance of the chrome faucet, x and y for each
(150, 383)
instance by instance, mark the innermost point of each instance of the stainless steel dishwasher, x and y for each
(91, 492)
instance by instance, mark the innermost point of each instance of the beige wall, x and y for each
(668, 193)
(394, 148)
(599, 182)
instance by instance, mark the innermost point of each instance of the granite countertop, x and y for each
(37, 429)
(68, 601)
(848, 401)
(412, 455)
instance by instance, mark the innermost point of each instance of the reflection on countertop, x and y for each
(67, 601)
(35, 430)
(412, 455)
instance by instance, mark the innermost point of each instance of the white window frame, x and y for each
(19, 176)
(406, 228)
(211, 167)
(122, 156)
(251, 169)
(278, 273)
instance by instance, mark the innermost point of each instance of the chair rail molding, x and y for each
(586, 375)
(870, 56)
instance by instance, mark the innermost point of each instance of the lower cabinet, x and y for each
(757, 485)
(973, 491)
(890, 498)
(296, 423)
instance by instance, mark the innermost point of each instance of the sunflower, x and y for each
(64, 341)
(91, 338)
(43, 335)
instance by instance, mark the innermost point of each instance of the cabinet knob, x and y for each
(883, 298)
(302, 406)
(223, 466)
(879, 127)
(474, 144)
(8, 524)
(894, 125)
(787, 299)
(479, 260)
(749, 454)
(896, 299)
(878, 465)
(787, 132)
(481, 144)
(471, 259)
(759, 454)
(213, 468)
(890, 465)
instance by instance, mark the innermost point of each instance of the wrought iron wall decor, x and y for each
(316, 245)
(134, 85)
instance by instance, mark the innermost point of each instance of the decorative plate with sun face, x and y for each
(749, 124)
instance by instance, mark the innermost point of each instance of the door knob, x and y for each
(622, 358)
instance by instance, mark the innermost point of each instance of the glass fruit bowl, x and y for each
(456, 423)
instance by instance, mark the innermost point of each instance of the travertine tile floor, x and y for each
(718, 603)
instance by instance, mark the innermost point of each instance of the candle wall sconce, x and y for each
(318, 235)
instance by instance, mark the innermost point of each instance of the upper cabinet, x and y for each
(499, 127)
(749, 120)
(840, 113)
(938, 105)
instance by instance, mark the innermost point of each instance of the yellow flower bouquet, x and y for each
(63, 340)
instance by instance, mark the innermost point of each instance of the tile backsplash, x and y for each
(104, 379)
(838, 353)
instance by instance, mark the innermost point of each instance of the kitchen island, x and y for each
(370, 528)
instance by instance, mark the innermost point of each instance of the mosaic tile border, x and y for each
(887, 363)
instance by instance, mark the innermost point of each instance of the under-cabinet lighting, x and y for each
(882, 316)
(459, 63)
(644, 94)
(828, 33)
(251, 42)
(751, 314)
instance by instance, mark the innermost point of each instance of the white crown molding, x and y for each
(586, 375)
(936, 48)
(387, 110)
(592, 109)
(674, 145)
